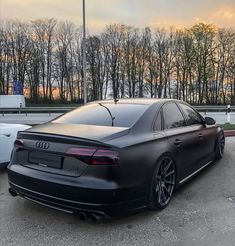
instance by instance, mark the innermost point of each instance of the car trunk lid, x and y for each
(95, 133)
(52, 151)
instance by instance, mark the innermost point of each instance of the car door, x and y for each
(205, 135)
(180, 138)
(6, 146)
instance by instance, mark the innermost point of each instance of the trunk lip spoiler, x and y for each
(20, 134)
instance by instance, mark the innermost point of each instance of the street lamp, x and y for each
(84, 53)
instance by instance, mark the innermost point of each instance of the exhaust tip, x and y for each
(83, 216)
(96, 217)
(12, 192)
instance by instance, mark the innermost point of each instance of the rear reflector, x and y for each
(93, 156)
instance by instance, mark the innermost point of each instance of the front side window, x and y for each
(192, 117)
(172, 116)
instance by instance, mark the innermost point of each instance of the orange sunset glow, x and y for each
(152, 13)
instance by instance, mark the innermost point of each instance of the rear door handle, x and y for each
(178, 142)
(200, 135)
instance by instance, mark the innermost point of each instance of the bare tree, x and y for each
(194, 64)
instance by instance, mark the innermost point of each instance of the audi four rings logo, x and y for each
(42, 145)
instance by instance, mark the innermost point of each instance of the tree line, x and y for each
(195, 64)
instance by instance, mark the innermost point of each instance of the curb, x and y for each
(230, 133)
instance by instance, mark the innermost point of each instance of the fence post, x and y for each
(20, 108)
(228, 114)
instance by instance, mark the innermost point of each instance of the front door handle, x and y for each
(178, 142)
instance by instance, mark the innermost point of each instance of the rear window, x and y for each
(125, 115)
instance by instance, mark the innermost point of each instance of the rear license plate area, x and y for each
(45, 159)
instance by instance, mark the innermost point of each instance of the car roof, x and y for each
(145, 101)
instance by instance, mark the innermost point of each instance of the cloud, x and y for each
(224, 14)
(166, 24)
(100, 13)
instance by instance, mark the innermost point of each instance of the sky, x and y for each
(153, 13)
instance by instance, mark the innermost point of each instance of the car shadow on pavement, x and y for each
(36, 210)
(195, 180)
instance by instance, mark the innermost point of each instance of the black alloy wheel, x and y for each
(220, 146)
(163, 184)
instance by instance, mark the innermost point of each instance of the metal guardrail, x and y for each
(27, 110)
(210, 108)
(50, 110)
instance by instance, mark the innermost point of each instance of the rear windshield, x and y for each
(125, 115)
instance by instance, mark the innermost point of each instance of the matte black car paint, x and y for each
(108, 189)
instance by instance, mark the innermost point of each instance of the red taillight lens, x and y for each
(19, 143)
(94, 156)
(105, 157)
(83, 154)
(81, 151)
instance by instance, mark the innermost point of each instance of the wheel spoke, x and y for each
(167, 167)
(169, 182)
(167, 192)
(163, 194)
(158, 177)
(157, 187)
(170, 173)
(160, 194)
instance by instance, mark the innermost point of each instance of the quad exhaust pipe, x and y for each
(12, 192)
(94, 217)
(84, 216)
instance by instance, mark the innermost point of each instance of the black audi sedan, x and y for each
(109, 158)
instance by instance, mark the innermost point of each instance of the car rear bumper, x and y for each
(74, 194)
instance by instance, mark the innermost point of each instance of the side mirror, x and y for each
(209, 121)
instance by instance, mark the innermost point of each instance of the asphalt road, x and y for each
(201, 213)
(39, 118)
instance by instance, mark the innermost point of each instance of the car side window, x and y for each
(173, 118)
(158, 122)
(192, 116)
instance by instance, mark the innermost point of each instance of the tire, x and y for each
(220, 145)
(163, 184)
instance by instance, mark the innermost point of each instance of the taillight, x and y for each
(93, 156)
(19, 143)
(81, 151)
(83, 154)
(105, 157)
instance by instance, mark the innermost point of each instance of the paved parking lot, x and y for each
(202, 213)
